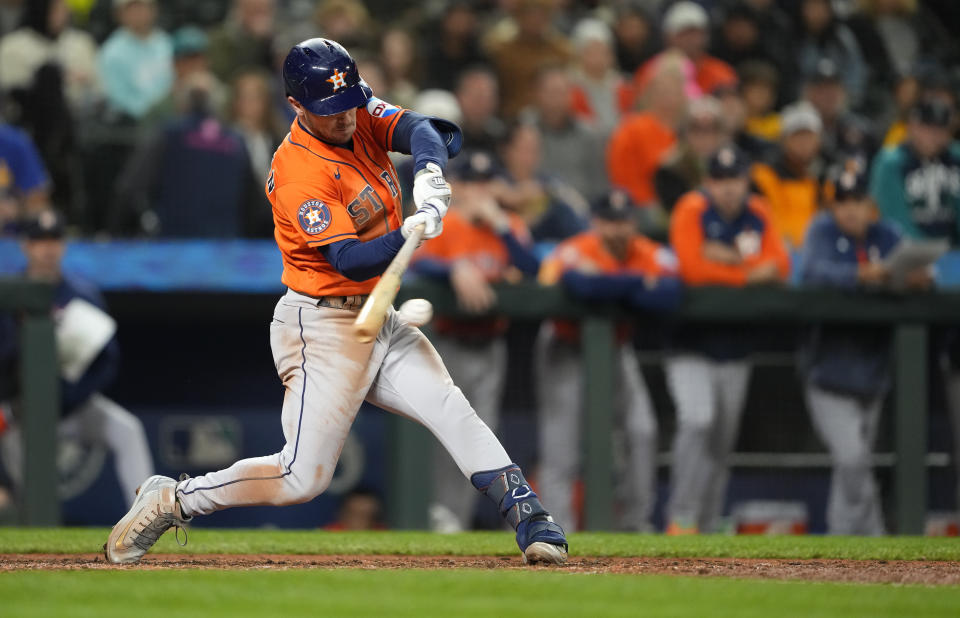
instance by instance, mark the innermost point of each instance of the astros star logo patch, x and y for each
(314, 216)
(338, 80)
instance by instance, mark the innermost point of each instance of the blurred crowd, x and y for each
(144, 118)
(622, 149)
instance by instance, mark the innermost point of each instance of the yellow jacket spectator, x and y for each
(790, 187)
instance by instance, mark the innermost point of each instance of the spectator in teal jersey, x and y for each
(136, 61)
(917, 184)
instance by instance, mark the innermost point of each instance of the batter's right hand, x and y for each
(432, 224)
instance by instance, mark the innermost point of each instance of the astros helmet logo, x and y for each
(338, 80)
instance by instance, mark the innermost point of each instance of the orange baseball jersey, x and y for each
(478, 243)
(695, 221)
(463, 239)
(636, 149)
(587, 253)
(323, 193)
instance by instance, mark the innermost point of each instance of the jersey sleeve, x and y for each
(686, 237)
(317, 213)
(564, 257)
(383, 118)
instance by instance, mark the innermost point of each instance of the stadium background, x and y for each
(220, 396)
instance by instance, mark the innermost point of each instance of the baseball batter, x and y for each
(337, 211)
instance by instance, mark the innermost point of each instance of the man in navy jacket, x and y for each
(847, 370)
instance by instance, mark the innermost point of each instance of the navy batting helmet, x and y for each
(322, 77)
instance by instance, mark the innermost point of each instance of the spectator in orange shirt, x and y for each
(686, 28)
(789, 182)
(639, 144)
(722, 235)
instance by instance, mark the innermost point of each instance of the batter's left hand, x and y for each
(432, 224)
(430, 190)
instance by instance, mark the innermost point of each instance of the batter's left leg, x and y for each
(414, 383)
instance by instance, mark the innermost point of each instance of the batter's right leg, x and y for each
(414, 383)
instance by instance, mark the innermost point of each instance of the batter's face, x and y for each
(335, 129)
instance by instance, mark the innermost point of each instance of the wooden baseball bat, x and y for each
(374, 311)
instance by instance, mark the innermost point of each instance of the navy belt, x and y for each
(342, 302)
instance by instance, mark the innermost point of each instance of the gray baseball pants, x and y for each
(848, 426)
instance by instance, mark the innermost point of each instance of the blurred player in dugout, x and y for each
(89, 359)
(481, 245)
(847, 369)
(722, 235)
(610, 262)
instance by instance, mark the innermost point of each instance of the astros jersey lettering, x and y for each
(322, 193)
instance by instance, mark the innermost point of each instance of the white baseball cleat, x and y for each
(155, 511)
(546, 553)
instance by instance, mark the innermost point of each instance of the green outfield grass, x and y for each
(211, 541)
(458, 593)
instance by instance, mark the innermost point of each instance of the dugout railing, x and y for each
(910, 316)
(410, 446)
(40, 397)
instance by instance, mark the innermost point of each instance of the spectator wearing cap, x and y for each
(482, 245)
(610, 263)
(569, 148)
(190, 65)
(45, 38)
(790, 183)
(703, 133)
(845, 135)
(550, 207)
(24, 183)
(846, 369)
(686, 28)
(532, 45)
(723, 235)
(244, 40)
(917, 184)
(89, 358)
(136, 61)
(639, 145)
(819, 34)
(601, 94)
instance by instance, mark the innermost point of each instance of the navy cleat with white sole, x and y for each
(540, 538)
